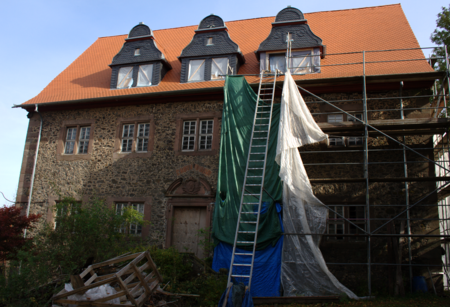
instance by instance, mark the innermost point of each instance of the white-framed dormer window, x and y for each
(300, 61)
(335, 118)
(219, 68)
(196, 70)
(70, 140)
(189, 133)
(145, 75)
(125, 77)
(137, 51)
(209, 41)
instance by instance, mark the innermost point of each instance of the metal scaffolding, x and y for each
(396, 132)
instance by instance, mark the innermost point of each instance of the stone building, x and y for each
(136, 120)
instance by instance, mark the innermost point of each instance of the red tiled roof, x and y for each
(355, 30)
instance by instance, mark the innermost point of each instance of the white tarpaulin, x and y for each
(303, 270)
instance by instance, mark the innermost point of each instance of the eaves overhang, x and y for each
(180, 95)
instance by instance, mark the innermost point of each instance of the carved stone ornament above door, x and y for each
(192, 187)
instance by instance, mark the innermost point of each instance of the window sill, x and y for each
(131, 155)
(197, 153)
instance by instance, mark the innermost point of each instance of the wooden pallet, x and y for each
(132, 286)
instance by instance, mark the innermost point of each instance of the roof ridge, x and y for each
(354, 9)
(351, 9)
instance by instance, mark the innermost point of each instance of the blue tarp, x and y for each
(267, 266)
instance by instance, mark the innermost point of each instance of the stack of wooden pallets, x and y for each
(132, 284)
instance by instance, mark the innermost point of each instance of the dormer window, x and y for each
(145, 75)
(125, 77)
(218, 57)
(300, 62)
(139, 62)
(196, 70)
(219, 68)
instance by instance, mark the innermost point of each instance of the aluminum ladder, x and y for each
(253, 184)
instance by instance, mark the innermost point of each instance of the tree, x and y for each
(441, 36)
(12, 226)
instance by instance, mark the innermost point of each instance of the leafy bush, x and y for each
(84, 234)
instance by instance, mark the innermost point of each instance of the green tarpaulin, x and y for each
(237, 121)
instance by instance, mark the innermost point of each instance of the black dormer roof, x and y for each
(290, 20)
(140, 37)
(213, 27)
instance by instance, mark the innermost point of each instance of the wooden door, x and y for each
(187, 221)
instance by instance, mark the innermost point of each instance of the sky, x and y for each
(41, 38)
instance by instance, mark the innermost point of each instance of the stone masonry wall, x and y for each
(105, 176)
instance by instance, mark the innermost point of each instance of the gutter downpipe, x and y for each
(34, 167)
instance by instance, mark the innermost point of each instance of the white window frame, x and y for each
(353, 141)
(127, 138)
(142, 137)
(71, 138)
(205, 136)
(335, 118)
(188, 136)
(63, 211)
(209, 41)
(202, 66)
(341, 223)
(142, 75)
(83, 142)
(137, 52)
(134, 228)
(127, 80)
(222, 73)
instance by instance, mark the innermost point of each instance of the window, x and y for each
(72, 146)
(125, 78)
(355, 141)
(205, 135)
(75, 140)
(134, 228)
(134, 137)
(137, 51)
(300, 62)
(196, 70)
(141, 141)
(64, 211)
(145, 75)
(209, 41)
(335, 118)
(197, 134)
(219, 68)
(341, 224)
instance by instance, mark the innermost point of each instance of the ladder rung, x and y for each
(246, 231)
(256, 161)
(247, 276)
(261, 124)
(241, 264)
(254, 168)
(248, 222)
(261, 131)
(250, 203)
(253, 185)
(245, 241)
(259, 145)
(244, 254)
(254, 176)
(260, 138)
